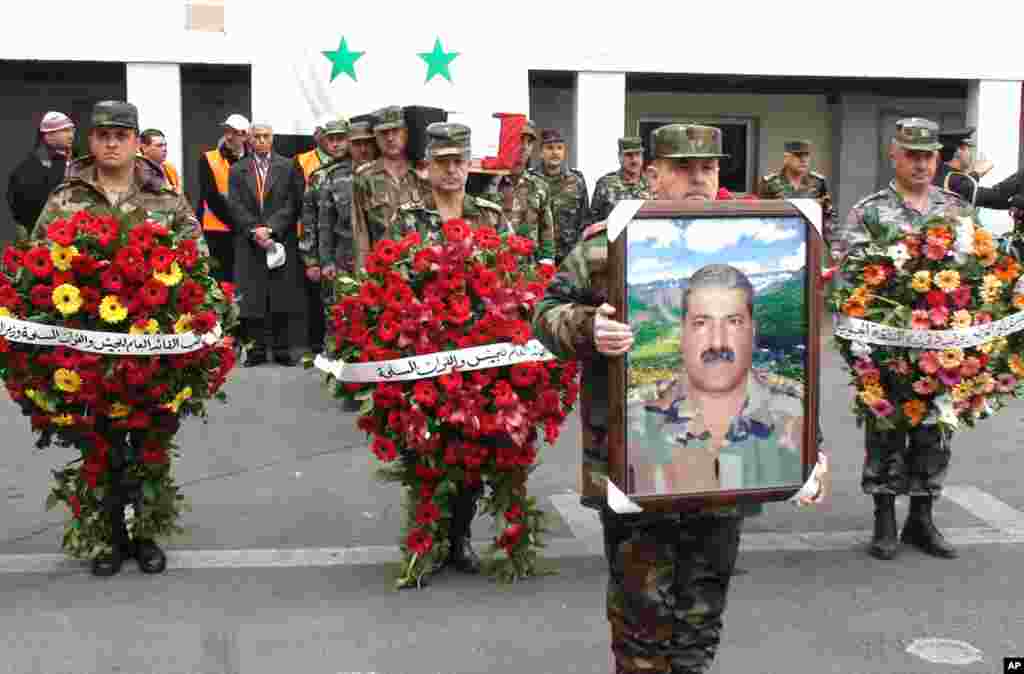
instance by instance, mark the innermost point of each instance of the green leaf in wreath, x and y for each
(149, 490)
(52, 500)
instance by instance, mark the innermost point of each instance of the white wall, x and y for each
(864, 39)
(155, 89)
(994, 107)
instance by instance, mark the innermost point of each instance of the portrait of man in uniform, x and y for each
(724, 411)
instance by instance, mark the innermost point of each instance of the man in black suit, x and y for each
(263, 195)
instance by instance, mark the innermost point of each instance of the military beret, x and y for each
(687, 141)
(391, 117)
(551, 136)
(115, 113)
(445, 138)
(631, 144)
(917, 133)
(795, 146)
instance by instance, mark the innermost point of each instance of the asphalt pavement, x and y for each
(289, 556)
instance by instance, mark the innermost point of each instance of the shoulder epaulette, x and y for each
(594, 229)
(487, 203)
(363, 168)
(818, 176)
(874, 195)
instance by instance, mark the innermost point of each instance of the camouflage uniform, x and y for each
(668, 574)
(890, 465)
(897, 462)
(423, 217)
(309, 215)
(376, 197)
(150, 193)
(612, 188)
(567, 192)
(335, 239)
(761, 447)
(525, 201)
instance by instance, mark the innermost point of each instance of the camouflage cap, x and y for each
(335, 127)
(115, 113)
(444, 139)
(687, 141)
(631, 144)
(551, 136)
(391, 117)
(797, 146)
(917, 133)
(361, 130)
(530, 129)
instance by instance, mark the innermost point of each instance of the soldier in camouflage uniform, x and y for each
(113, 179)
(629, 182)
(380, 187)
(362, 146)
(567, 192)
(449, 152)
(668, 573)
(795, 180)
(334, 143)
(525, 201)
(896, 462)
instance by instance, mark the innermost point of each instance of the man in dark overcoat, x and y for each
(263, 193)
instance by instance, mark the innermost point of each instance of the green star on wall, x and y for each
(438, 61)
(343, 60)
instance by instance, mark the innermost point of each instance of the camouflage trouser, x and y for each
(668, 580)
(898, 462)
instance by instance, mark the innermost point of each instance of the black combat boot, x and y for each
(121, 547)
(919, 530)
(884, 542)
(461, 554)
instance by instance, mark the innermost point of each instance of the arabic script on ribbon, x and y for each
(109, 343)
(435, 364)
(868, 332)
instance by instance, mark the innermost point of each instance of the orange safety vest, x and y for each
(172, 176)
(309, 162)
(221, 170)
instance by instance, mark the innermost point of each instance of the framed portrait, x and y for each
(716, 403)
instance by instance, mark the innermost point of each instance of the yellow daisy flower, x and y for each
(119, 410)
(922, 281)
(62, 256)
(67, 380)
(948, 280)
(111, 309)
(962, 391)
(182, 396)
(171, 277)
(991, 281)
(961, 319)
(951, 358)
(63, 420)
(183, 324)
(67, 299)
(4, 311)
(151, 328)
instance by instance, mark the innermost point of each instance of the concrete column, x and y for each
(994, 107)
(600, 122)
(155, 89)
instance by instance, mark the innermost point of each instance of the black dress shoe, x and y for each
(150, 557)
(254, 359)
(285, 359)
(462, 557)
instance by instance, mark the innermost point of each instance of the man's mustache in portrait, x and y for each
(723, 355)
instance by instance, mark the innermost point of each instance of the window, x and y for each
(739, 140)
(205, 15)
